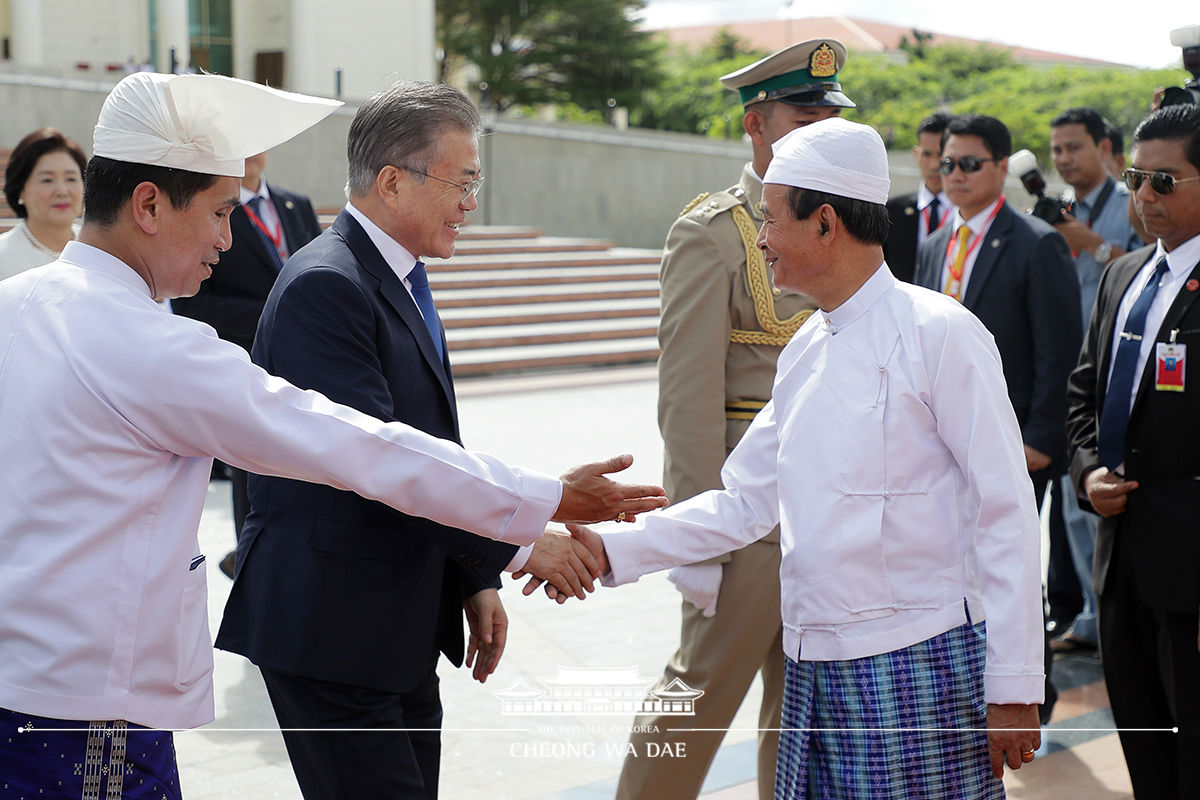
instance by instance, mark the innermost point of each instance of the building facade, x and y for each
(348, 48)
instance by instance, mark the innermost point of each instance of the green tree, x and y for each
(530, 52)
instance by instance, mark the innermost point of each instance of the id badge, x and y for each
(1168, 376)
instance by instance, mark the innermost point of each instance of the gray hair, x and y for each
(403, 126)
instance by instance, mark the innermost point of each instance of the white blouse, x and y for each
(19, 251)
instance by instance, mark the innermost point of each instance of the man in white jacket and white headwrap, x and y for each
(891, 459)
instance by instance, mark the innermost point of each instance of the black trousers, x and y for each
(1152, 670)
(382, 745)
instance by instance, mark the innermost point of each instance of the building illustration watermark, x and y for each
(597, 691)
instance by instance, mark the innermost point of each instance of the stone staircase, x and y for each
(513, 300)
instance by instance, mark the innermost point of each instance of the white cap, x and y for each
(202, 123)
(836, 156)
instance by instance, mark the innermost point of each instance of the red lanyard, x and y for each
(974, 240)
(276, 237)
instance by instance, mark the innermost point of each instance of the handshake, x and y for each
(570, 562)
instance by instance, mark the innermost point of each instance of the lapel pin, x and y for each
(995, 242)
(909, 211)
(289, 205)
(1193, 285)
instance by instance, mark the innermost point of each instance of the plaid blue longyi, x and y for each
(904, 725)
(67, 759)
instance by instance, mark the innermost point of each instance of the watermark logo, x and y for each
(598, 691)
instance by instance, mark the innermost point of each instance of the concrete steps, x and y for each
(513, 300)
(522, 302)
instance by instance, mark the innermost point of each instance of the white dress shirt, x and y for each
(891, 457)
(112, 411)
(1180, 263)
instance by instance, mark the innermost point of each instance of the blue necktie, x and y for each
(256, 205)
(1114, 417)
(420, 291)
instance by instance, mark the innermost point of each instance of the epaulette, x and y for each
(706, 206)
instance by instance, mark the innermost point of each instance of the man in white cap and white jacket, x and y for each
(891, 459)
(111, 410)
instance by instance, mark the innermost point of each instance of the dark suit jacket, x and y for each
(332, 586)
(1024, 290)
(900, 249)
(232, 299)
(1161, 522)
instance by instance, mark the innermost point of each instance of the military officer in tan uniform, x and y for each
(723, 324)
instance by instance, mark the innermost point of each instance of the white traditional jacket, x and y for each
(111, 410)
(891, 458)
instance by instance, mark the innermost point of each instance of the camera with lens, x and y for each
(1189, 94)
(1023, 164)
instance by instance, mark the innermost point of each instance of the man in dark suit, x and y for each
(916, 215)
(1134, 429)
(343, 603)
(1015, 273)
(269, 225)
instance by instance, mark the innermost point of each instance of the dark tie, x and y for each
(934, 220)
(256, 205)
(1114, 417)
(420, 291)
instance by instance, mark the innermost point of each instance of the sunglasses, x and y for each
(966, 164)
(1160, 182)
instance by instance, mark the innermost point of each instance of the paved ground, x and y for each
(553, 424)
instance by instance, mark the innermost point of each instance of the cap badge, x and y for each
(823, 63)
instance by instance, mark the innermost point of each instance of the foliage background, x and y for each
(585, 57)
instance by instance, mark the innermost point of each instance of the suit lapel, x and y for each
(931, 267)
(245, 232)
(397, 297)
(286, 210)
(1121, 282)
(995, 239)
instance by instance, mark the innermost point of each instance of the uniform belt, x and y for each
(743, 409)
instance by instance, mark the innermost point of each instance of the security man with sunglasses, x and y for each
(1134, 428)
(1015, 273)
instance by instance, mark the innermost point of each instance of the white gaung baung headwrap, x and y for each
(202, 123)
(836, 156)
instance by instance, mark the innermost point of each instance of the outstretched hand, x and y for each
(587, 540)
(563, 563)
(588, 496)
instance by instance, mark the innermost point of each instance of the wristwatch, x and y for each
(1103, 252)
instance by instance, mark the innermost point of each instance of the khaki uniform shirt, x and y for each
(709, 299)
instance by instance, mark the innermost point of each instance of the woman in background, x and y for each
(44, 185)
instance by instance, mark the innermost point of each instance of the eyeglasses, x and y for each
(1160, 182)
(469, 189)
(966, 164)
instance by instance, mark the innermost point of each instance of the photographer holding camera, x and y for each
(1098, 230)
